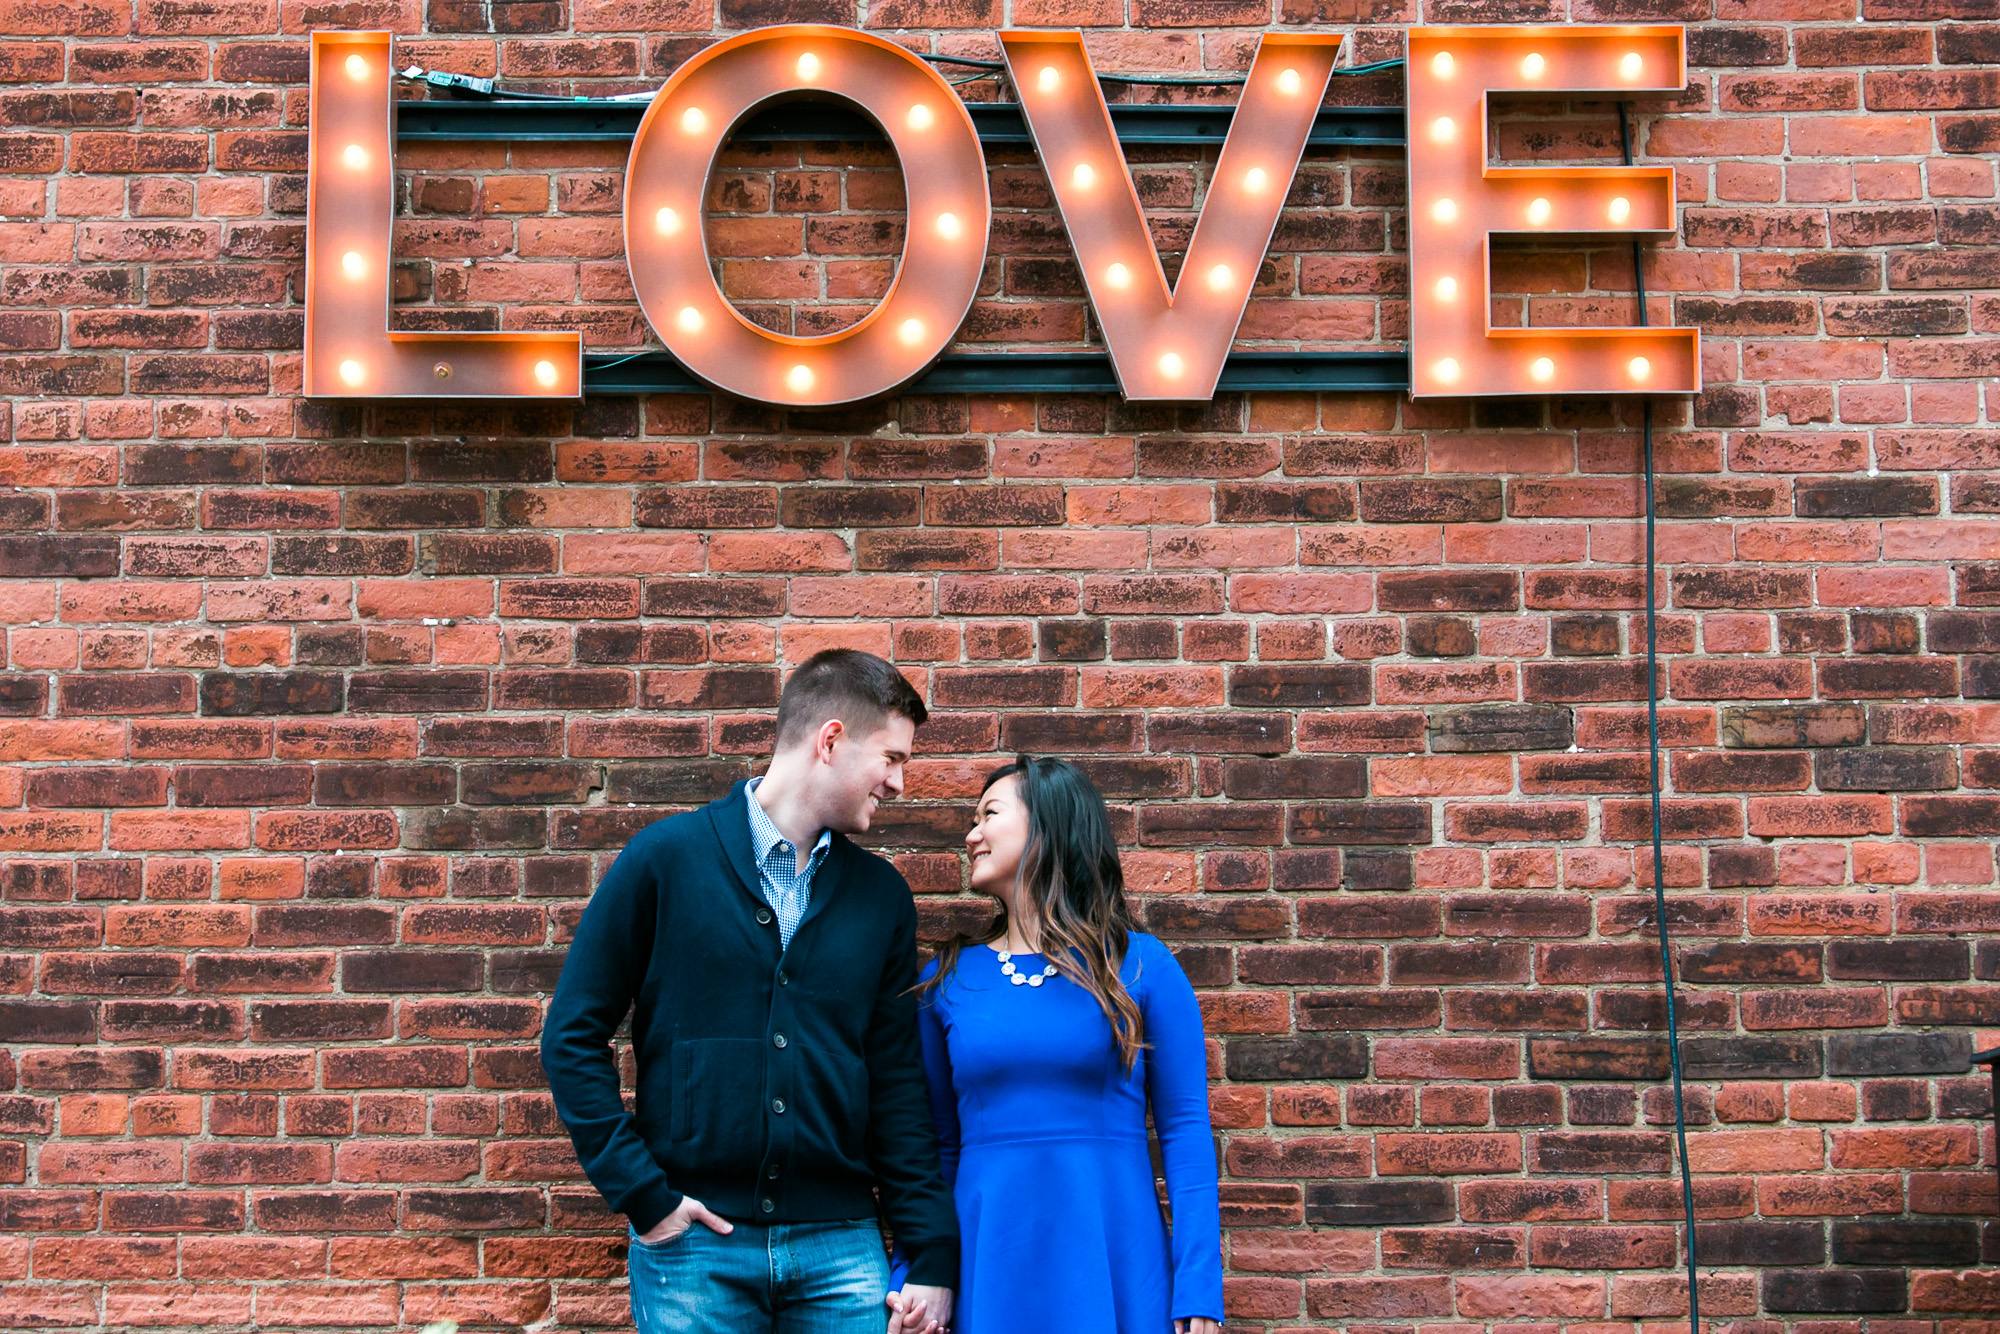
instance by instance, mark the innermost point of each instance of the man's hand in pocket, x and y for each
(691, 1211)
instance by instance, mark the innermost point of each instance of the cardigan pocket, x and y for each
(718, 1090)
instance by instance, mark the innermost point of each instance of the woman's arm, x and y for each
(1177, 1087)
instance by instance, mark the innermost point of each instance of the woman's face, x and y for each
(998, 838)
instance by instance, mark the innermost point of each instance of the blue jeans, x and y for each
(790, 1278)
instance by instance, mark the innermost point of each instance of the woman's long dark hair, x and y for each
(1071, 874)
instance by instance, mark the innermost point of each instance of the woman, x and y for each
(1046, 1037)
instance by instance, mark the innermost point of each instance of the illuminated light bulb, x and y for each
(351, 372)
(920, 117)
(1288, 82)
(1639, 367)
(1444, 210)
(1253, 179)
(545, 372)
(1441, 64)
(667, 221)
(948, 226)
(1083, 176)
(1446, 289)
(1442, 130)
(352, 264)
(357, 68)
(911, 331)
(690, 319)
(808, 66)
(1219, 276)
(1048, 79)
(356, 156)
(800, 378)
(1118, 275)
(1538, 211)
(1543, 369)
(1170, 364)
(1533, 65)
(1446, 371)
(692, 120)
(1632, 65)
(1621, 209)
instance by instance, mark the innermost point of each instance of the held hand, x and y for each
(690, 1212)
(920, 1310)
(906, 1317)
(1200, 1324)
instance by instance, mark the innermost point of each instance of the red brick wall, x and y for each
(320, 721)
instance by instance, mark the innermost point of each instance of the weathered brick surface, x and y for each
(318, 722)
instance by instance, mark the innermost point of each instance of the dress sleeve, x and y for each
(944, 1107)
(600, 978)
(1177, 1089)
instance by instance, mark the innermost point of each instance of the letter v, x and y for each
(1169, 344)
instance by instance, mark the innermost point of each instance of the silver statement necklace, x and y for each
(1019, 978)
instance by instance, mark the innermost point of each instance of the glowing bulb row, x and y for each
(1631, 65)
(1541, 369)
(1219, 277)
(1539, 210)
(352, 372)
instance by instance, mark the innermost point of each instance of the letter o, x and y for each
(944, 173)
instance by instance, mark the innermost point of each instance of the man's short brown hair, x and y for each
(858, 688)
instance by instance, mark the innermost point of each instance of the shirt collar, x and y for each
(764, 836)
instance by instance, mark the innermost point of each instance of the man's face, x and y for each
(862, 770)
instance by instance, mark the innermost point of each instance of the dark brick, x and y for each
(1832, 1291)
(1641, 1059)
(1379, 1203)
(244, 694)
(1885, 769)
(1898, 1053)
(1427, 500)
(1359, 822)
(410, 970)
(1925, 1243)
(1071, 641)
(1899, 960)
(432, 691)
(1761, 1242)
(1856, 497)
(1467, 590)
(1751, 1058)
(1266, 1059)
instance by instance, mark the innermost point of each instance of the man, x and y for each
(767, 963)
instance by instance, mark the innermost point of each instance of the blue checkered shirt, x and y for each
(786, 888)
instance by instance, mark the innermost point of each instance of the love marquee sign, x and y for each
(1166, 343)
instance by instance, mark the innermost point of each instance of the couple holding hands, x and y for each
(797, 1075)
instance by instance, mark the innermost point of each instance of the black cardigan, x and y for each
(774, 1085)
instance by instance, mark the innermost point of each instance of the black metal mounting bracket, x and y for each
(996, 122)
(1047, 373)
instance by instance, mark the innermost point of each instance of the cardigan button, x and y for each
(778, 1106)
(763, 917)
(778, 1040)
(766, 1205)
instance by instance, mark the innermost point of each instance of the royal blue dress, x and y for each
(1043, 1137)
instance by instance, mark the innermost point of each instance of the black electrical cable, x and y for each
(1653, 755)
